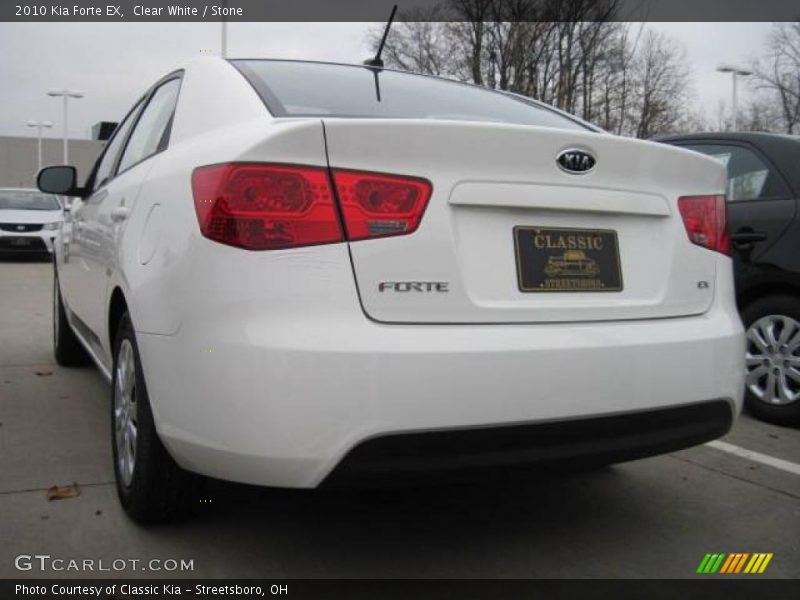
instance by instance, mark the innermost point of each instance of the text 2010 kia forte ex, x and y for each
(295, 273)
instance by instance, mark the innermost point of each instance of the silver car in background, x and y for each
(29, 221)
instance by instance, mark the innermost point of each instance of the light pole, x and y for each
(224, 24)
(66, 94)
(39, 125)
(734, 71)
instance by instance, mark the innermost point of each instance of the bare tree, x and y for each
(420, 44)
(762, 114)
(660, 90)
(568, 53)
(779, 74)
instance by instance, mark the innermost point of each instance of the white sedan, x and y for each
(29, 221)
(299, 273)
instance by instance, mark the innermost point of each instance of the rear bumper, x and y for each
(282, 397)
(576, 442)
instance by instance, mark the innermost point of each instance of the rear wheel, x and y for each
(773, 359)
(67, 349)
(150, 485)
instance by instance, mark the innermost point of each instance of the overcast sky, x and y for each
(113, 63)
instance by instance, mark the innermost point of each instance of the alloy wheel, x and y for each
(56, 324)
(125, 412)
(773, 359)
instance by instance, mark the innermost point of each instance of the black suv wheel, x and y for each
(773, 359)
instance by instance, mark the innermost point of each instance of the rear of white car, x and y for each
(321, 289)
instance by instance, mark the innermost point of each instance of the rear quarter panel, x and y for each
(218, 119)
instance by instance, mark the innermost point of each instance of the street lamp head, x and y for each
(33, 123)
(65, 92)
(727, 68)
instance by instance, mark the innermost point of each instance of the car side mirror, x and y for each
(59, 180)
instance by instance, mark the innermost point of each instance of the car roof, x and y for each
(753, 136)
(782, 149)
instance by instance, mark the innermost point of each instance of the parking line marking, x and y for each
(764, 459)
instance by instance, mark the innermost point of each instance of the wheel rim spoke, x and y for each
(769, 331)
(756, 374)
(793, 374)
(754, 360)
(757, 337)
(788, 330)
(785, 391)
(769, 391)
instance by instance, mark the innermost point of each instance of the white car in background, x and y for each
(298, 273)
(29, 221)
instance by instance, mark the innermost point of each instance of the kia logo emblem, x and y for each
(20, 227)
(575, 161)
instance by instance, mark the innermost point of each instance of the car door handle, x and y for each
(119, 214)
(748, 237)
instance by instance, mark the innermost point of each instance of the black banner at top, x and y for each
(378, 10)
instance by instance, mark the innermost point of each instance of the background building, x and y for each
(19, 158)
(102, 130)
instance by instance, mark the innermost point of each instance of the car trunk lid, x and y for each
(509, 236)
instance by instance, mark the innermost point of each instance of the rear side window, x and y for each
(749, 177)
(151, 133)
(106, 164)
(301, 89)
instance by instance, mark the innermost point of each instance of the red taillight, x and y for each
(269, 207)
(265, 207)
(705, 218)
(375, 205)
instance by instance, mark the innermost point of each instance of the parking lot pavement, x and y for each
(651, 518)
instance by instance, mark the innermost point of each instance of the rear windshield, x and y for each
(24, 200)
(305, 89)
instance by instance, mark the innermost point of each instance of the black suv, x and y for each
(763, 193)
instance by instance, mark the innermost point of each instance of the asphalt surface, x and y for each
(652, 518)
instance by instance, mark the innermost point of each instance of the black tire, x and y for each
(780, 414)
(68, 351)
(158, 489)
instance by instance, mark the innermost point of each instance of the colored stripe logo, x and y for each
(736, 562)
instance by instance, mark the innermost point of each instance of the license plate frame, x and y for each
(567, 259)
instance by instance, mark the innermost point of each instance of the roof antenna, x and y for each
(378, 61)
